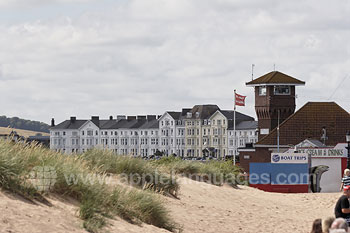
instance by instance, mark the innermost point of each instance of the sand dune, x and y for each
(200, 208)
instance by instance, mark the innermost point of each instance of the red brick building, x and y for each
(325, 121)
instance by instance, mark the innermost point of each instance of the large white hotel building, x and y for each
(201, 130)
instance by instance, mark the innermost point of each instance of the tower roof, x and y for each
(275, 77)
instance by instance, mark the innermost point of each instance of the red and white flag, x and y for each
(240, 100)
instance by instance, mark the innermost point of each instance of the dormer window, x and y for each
(281, 90)
(262, 90)
(197, 114)
(189, 115)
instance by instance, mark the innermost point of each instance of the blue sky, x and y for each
(62, 58)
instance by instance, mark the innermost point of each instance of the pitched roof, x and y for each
(205, 111)
(125, 124)
(152, 124)
(307, 123)
(106, 124)
(175, 115)
(67, 124)
(247, 125)
(229, 114)
(311, 143)
(275, 77)
(240, 117)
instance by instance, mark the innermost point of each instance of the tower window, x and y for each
(262, 90)
(282, 90)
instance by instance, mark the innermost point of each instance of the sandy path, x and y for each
(207, 208)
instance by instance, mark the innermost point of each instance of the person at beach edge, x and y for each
(342, 208)
(345, 181)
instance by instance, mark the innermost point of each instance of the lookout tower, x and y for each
(274, 99)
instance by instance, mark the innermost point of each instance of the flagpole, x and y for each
(234, 130)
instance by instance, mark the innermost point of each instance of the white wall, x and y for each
(330, 180)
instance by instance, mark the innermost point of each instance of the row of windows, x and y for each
(167, 133)
(105, 133)
(206, 122)
(245, 133)
(164, 132)
(277, 90)
(104, 141)
(205, 131)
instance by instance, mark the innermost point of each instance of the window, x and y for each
(281, 90)
(89, 133)
(262, 90)
(64, 133)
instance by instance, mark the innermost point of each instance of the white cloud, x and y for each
(151, 56)
(34, 3)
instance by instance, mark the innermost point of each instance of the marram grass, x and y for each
(137, 172)
(213, 172)
(22, 165)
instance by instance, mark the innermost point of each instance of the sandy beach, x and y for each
(200, 208)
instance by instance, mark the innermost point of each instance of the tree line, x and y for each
(18, 123)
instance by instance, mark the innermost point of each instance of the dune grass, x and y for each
(27, 169)
(213, 172)
(135, 171)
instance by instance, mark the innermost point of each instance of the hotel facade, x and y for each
(204, 130)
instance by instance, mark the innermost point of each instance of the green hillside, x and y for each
(18, 123)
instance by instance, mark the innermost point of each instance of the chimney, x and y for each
(72, 119)
(96, 120)
(151, 117)
(129, 118)
(110, 118)
(121, 117)
(53, 122)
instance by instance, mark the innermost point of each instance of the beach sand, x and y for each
(200, 208)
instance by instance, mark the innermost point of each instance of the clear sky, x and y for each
(62, 58)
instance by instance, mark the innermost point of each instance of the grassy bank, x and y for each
(135, 171)
(214, 172)
(33, 172)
